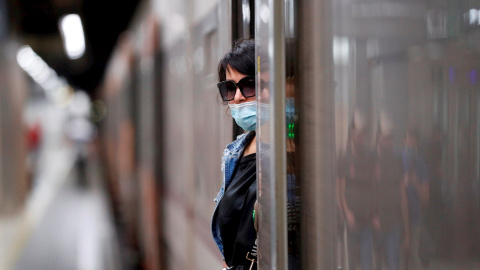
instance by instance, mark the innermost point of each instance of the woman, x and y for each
(233, 219)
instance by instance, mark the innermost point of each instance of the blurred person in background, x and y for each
(356, 195)
(233, 219)
(418, 195)
(34, 139)
(81, 132)
(390, 200)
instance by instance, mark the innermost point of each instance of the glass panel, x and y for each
(271, 135)
(278, 181)
(266, 194)
(407, 133)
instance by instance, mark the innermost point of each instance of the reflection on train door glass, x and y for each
(407, 124)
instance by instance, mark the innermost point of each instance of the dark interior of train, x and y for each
(35, 21)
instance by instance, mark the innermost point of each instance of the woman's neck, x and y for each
(251, 147)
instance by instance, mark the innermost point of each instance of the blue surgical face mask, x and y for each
(245, 114)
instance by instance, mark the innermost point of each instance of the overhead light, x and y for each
(73, 36)
(34, 65)
(56, 88)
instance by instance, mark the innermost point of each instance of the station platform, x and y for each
(65, 224)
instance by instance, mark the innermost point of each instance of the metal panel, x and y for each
(316, 134)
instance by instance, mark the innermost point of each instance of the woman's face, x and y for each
(233, 75)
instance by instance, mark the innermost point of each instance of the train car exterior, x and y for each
(194, 128)
(370, 155)
(165, 124)
(385, 111)
(128, 136)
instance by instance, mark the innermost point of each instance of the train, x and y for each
(369, 159)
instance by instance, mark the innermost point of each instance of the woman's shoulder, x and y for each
(241, 141)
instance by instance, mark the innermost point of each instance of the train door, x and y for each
(278, 190)
(385, 133)
(388, 134)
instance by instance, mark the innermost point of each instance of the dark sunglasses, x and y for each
(229, 88)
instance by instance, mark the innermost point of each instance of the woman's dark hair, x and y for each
(241, 58)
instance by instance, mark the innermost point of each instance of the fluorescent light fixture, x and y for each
(56, 88)
(36, 67)
(73, 37)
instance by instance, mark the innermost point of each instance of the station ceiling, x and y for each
(35, 22)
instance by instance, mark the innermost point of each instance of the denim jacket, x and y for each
(230, 158)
